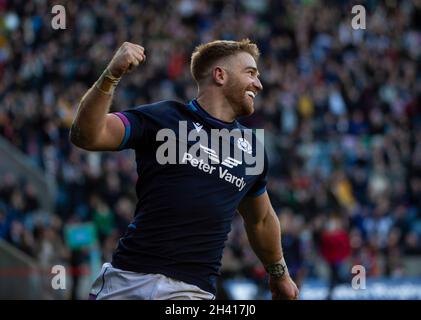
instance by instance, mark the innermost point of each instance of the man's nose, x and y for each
(257, 84)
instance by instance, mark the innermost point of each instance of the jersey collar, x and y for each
(194, 106)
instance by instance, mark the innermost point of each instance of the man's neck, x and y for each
(217, 107)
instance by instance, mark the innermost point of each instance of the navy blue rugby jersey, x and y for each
(185, 208)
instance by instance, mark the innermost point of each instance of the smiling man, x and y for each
(173, 247)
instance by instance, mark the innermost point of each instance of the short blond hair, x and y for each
(205, 55)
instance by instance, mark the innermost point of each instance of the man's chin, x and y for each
(248, 109)
(245, 109)
(249, 112)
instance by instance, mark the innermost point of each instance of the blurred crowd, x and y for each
(341, 110)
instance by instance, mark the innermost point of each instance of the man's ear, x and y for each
(219, 75)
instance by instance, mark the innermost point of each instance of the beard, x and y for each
(235, 93)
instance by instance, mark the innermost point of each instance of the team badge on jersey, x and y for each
(244, 145)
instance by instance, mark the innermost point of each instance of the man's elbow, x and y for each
(76, 138)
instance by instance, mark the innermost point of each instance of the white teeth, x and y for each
(250, 93)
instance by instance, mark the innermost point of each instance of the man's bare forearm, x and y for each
(90, 121)
(265, 238)
(90, 117)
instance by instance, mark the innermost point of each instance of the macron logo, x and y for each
(198, 126)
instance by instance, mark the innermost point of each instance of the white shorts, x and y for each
(117, 284)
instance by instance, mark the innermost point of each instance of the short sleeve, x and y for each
(135, 128)
(259, 186)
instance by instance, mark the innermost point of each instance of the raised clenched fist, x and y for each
(127, 57)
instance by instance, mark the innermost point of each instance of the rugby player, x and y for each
(174, 245)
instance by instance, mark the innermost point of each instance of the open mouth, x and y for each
(251, 94)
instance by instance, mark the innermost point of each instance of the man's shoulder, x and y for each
(160, 107)
(243, 127)
(252, 138)
(164, 114)
(255, 132)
